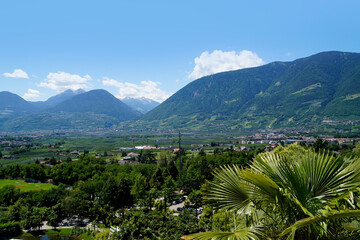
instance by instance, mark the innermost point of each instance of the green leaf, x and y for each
(249, 233)
(331, 215)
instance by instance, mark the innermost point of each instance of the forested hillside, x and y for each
(310, 91)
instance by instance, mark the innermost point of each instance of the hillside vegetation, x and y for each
(304, 92)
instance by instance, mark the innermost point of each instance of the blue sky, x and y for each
(154, 48)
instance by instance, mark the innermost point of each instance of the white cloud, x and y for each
(61, 81)
(219, 61)
(147, 89)
(31, 94)
(18, 73)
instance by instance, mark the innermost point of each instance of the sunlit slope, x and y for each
(308, 90)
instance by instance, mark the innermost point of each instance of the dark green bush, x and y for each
(9, 229)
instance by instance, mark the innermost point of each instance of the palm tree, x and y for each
(287, 195)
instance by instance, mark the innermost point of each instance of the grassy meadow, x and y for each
(24, 186)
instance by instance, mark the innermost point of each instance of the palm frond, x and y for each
(226, 191)
(286, 189)
(310, 177)
(310, 220)
(249, 233)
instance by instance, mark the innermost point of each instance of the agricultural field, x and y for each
(24, 186)
(60, 147)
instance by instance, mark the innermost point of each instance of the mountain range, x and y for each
(312, 91)
(67, 110)
(320, 90)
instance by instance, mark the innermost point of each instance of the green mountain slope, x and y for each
(59, 120)
(12, 105)
(280, 94)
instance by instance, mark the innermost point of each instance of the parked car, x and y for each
(183, 198)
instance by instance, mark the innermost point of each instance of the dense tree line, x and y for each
(102, 191)
(34, 171)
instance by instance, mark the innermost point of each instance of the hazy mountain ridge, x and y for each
(12, 106)
(68, 110)
(54, 100)
(97, 101)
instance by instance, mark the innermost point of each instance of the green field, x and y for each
(100, 144)
(24, 186)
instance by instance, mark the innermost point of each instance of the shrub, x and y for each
(9, 229)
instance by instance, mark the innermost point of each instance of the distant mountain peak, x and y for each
(77, 91)
(65, 95)
(98, 101)
(139, 99)
(141, 104)
(13, 105)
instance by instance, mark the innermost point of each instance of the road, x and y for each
(174, 207)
